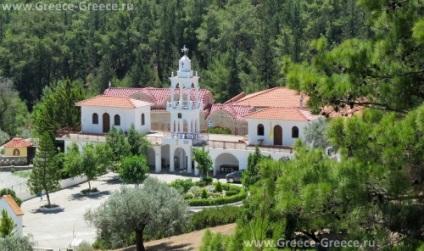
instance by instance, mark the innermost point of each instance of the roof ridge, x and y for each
(255, 94)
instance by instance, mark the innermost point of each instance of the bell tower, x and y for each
(184, 106)
(184, 109)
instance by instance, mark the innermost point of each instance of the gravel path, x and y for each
(57, 230)
(8, 180)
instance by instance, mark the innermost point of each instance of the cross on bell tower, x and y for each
(184, 50)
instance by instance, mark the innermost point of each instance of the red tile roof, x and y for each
(158, 96)
(237, 112)
(113, 101)
(274, 97)
(13, 205)
(18, 142)
(278, 113)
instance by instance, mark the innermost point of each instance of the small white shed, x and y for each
(8, 204)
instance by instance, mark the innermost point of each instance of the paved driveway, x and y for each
(57, 230)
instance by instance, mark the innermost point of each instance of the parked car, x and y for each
(234, 176)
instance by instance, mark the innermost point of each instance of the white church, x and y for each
(176, 119)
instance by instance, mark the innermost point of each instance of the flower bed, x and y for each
(200, 194)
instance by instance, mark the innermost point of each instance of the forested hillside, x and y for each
(237, 45)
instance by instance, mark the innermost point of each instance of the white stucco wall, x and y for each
(268, 137)
(220, 156)
(128, 116)
(17, 219)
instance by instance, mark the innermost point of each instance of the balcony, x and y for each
(183, 105)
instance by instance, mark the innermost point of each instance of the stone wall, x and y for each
(224, 120)
(13, 160)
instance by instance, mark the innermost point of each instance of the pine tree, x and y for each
(6, 225)
(45, 175)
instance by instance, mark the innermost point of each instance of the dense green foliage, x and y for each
(133, 169)
(17, 243)
(238, 196)
(12, 193)
(13, 112)
(204, 162)
(217, 216)
(45, 175)
(219, 130)
(7, 225)
(154, 209)
(251, 175)
(182, 185)
(236, 41)
(92, 161)
(57, 108)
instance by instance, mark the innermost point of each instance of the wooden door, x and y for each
(278, 135)
(106, 123)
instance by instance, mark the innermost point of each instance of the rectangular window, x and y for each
(180, 115)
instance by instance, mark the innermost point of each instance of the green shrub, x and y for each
(219, 201)
(204, 194)
(220, 130)
(196, 191)
(225, 187)
(201, 183)
(188, 196)
(84, 246)
(216, 241)
(12, 193)
(208, 180)
(218, 187)
(182, 184)
(231, 193)
(212, 217)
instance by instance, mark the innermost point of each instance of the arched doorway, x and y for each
(226, 163)
(106, 122)
(16, 152)
(180, 159)
(278, 135)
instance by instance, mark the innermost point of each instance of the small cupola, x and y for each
(185, 62)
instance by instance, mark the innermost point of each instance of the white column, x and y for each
(196, 171)
(181, 159)
(172, 97)
(214, 168)
(181, 97)
(171, 159)
(197, 96)
(189, 160)
(158, 161)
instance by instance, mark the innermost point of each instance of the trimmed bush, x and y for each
(182, 185)
(225, 186)
(218, 187)
(220, 130)
(219, 201)
(212, 217)
(196, 191)
(204, 194)
(201, 183)
(231, 193)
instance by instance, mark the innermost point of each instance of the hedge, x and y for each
(215, 216)
(219, 201)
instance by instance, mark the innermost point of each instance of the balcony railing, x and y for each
(244, 146)
(183, 105)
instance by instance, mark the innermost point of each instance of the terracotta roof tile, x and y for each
(113, 101)
(12, 203)
(237, 112)
(278, 113)
(18, 142)
(275, 97)
(158, 96)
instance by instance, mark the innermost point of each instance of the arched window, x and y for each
(16, 152)
(261, 130)
(142, 119)
(95, 119)
(117, 120)
(295, 132)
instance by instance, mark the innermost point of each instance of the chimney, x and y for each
(301, 101)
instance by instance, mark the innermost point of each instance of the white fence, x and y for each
(24, 194)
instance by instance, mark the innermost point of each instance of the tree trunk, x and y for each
(48, 198)
(139, 239)
(89, 186)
